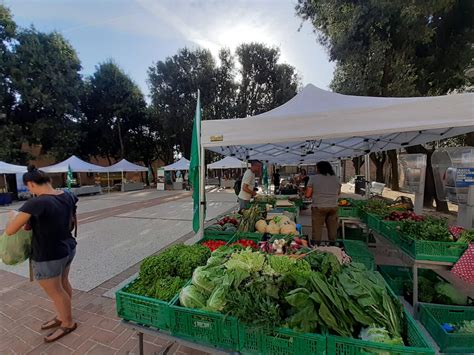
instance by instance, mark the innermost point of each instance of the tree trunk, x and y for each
(358, 162)
(392, 156)
(430, 189)
(379, 161)
(122, 149)
(470, 139)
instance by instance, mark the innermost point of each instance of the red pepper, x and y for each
(213, 244)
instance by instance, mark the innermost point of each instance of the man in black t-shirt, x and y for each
(276, 180)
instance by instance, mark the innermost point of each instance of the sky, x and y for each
(138, 33)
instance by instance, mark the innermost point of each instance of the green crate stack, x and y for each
(216, 235)
(433, 251)
(255, 236)
(396, 276)
(373, 222)
(142, 310)
(348, 212)
(389, 230)
(363, 215)
(279, 341)
(417, 343)
(359, 253)
(433, 316)
(203, 327)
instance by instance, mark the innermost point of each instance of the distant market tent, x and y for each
(125, 166)
(181, 164)
(228, 163)
(6, 168)
(76, 165)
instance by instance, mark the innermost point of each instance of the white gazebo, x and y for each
(6, 169)
(321, 125)
(77, 166)
(227, 163)
(126, 166)
(181, 164)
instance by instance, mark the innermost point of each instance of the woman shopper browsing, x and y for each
(50, 214)
(326, 189)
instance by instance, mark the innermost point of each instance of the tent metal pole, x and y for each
(108, 182)
(367, 175)
(6, 183)
(122, 184)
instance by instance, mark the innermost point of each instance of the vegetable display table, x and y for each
(132, 186)
(5, 198)
(140, 329)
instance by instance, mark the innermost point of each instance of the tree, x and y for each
(265, 83)
(46, 83)
(114, 109)
(395, 48)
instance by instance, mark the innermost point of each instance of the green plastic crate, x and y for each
(348, 212)
(255, 236)
(389, 230)
(373, 222)
(359, 253)
(218, 235)
(396, 276)
(203, 327)
(417, 344)
(280, 341)
(363, 215)
(433, 316)
(142, 310)
(433, 251)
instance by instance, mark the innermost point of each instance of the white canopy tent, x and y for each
(318, 124)
(125, 165)
(6, 168)
(228, 163)
(321, 125)
(181, 164)
(77, 165)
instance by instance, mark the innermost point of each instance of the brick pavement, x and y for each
(24, 307)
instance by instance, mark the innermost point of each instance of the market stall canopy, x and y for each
(125, 165)
(181, 164)
(228, 163)
(77, 165)
(318, 124)
(6, 168)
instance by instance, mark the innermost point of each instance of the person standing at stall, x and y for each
(51, 214)
(247, 186)
(326, 189)
(276, 180)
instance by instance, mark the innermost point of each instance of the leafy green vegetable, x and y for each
(326, 263)
(466, 237)
(447, 294)
(140, 288)
(246, 260)
(467, 327)
(217, 300)
(191, 297)
(283, 265)
(379, 335)
(431, 228)
(168, 287)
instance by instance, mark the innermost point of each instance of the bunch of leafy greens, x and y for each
(380, 335)
(314, 294)
(162, 276)
(431, 228)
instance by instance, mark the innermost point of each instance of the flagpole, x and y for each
(202, 172)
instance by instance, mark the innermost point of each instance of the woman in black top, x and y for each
(50, 214)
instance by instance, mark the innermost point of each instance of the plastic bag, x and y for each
(16, 248)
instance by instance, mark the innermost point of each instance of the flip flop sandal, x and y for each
(64, 331)
(52, 323)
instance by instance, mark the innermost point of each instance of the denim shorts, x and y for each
(244, 204)
(43, 270)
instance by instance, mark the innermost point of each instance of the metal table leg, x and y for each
(140, 343)
(415, 284)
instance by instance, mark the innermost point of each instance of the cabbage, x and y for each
(379, 335)
(447, 294)
(191, 297)
(207, 277)
(246, 260)
(217, 300)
